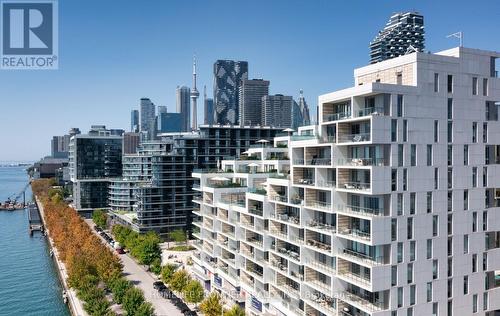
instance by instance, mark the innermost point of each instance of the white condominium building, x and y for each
(388, 207)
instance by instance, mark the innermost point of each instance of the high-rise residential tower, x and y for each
(162, 109)
(277, 110)
(389, 206)
(228, 75)
(403, 33)
(250, 101)
(183, 105)
(194, 98)
(208, 108)
(147, 119)
(134, 121)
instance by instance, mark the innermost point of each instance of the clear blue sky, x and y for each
(112, 53)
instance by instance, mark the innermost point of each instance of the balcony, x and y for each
(257, 191)
(318, 265)
(337, 117)
(319, 161)
(289, 253)
(356, 233)
(363, 302)
(359, 210)
(355, 186)
(321, 301)
(360, 279)
(280, 198)
(326, 184)
(290, 218)
(319, 205)
(321, 226)
(319, 245)
(354, 138)
(361, 257)
(304, 181)
(362, 162)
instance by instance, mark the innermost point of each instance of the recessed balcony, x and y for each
(362, 162)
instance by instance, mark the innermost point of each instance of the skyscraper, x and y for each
(134, 121)
(277, 110)
(60, 146)
(209, 108)
(250, 100)
(228, 75)
(194, 98)
(169, 122)
(131, 141)
(147, 119)
(300, 112)
(183, 106)
(403, 33)
(162, 109)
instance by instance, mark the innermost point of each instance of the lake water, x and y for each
(28, 277)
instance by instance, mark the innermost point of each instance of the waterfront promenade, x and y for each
(143, 279)
(76, 306)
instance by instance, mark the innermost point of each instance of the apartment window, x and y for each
(400, 155)
(409, 227)
(394, 275)
(474, 303)
(436, 178)
(485, 176)
(394, 179)
(466, 284)
(413, 247)
(435, 269)
(450, 224)
(412, 294)
(450, 200)
(394, 130)
(474, 263)
(450, 288)
(435, 309)
(466, 243)
(485, 86)
(450, 178)
(409, 311)
(485, 132)
(405, 130)
(400, 204)
(405, 179)
(450, 131)
(409, 273)
(436, 82)
(466, 155)
(412, 203)
(474, 177)
(400, 105)
(466, 200)
(474, 132)
(400, 297)
(429, 202)
(429, 155)
(485, 301)
(394, 229)
(435, 225)
(399, 252)
(436, 131)
(450, 307)
(485, 261)
(474, 222)
(450, 108)
(450, 84)
(450, 155)
(485, 220)
(474, 85)
(450, 267)
(450, 246)
(413, 155)
(429, 291)
(429, 249)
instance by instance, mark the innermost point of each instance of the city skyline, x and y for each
(106, 92)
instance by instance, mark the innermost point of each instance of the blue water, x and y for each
(28, 278)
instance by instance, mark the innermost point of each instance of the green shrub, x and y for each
(100, 218)
(166, 272)
(132, 299)
(119, 287)
(193, 292)
(179, 280)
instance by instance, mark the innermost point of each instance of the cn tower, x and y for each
(194, 97)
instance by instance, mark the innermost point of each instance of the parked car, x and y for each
(190, 313)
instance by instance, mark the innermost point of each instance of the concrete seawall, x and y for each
(75, 304)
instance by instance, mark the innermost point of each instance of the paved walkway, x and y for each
(137, 274)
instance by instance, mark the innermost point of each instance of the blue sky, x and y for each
(112, 53)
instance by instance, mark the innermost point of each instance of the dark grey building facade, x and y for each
(250, 100)
(228, 75)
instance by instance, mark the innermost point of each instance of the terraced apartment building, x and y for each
(387, 207)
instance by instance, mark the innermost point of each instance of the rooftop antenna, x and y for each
(458, 35)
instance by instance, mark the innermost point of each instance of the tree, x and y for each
(147, 248)
(236, 310)
(211, 305)
(178, 235)
(193, 292)
(166, 272)
(145, 309)
(100, 218)
(119, 287)
(132, 299)
(179, 280)
(155, 266)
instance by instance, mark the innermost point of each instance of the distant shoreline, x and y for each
(18, 164)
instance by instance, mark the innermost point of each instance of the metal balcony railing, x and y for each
(357, 186)
(356, 255)
(362, 162)
(354, 233)
(337, 116)
(354, 138)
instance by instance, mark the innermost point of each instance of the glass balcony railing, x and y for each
(356, 186)
(354, 138)
(359, 256)
(354, 233)
(362, 162)
(337, 116)
(360, 210)
(365, 302)
(370, 111)
(321, 226)
(279, 198)
(319, 161)
(319, 204)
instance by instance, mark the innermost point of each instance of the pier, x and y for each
(34, 219)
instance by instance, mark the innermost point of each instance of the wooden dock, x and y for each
(34, 219)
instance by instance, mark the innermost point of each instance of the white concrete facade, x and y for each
(388, 207)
